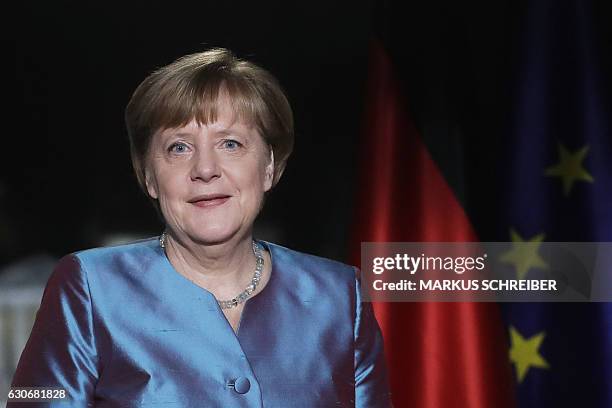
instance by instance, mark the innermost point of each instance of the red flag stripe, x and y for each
(439, 354)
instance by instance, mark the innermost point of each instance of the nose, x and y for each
(205, 165)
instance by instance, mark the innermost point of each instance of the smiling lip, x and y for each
(209, 200)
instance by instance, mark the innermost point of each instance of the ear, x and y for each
(151, 184)
(269, 181)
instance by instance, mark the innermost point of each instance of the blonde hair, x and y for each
(190, 88)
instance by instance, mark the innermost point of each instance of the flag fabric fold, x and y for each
(439, 354)
(549, 178)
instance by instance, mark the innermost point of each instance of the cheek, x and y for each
(253, 184)
(170, 186)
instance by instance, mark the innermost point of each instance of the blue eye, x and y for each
(178, 148)
(231, 144)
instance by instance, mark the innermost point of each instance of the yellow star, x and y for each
(524, 254)
(570, 168)
(524, 353)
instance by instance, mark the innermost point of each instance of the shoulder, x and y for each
(303, 265)
(287, 256)
(79, 266)
(135, 251)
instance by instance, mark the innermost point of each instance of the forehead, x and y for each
(220, 112)
(221, 127)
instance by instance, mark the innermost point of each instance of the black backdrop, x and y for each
(69, 182)
(66, 180)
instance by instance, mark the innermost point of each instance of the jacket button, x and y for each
(241, 385)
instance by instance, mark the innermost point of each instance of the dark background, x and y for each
(69, 180)
(66, 180)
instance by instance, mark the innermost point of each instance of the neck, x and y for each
(223, 268)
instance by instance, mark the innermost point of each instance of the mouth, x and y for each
(209, 200)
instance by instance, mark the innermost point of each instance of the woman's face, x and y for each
(210, 180)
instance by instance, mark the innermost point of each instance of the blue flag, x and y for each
(558, 187)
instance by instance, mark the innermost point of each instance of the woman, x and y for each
(205, 315)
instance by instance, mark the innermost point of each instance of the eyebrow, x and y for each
(221, 132)
(228, 131)
(233, 130)
(171, 132)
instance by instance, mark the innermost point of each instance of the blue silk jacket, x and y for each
(120, 327)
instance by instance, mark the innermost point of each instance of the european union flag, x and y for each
(559, 188)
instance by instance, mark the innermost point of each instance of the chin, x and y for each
(210, 235)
